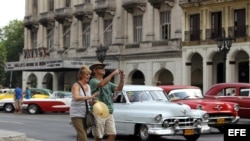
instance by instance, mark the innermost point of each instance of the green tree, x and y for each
(12, 39)
(2, 64)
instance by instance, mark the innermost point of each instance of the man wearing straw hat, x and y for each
(105, 125)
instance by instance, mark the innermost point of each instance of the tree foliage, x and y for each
(12, 42)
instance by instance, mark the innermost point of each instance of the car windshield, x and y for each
(185, 94)
(136, 96)
(63, 94)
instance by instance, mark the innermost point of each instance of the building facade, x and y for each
(206, 21)
(171, 41)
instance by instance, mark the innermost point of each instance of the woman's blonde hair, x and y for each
(82, 71)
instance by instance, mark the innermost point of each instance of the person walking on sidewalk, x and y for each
(78, 105)
(106, 89)
(18, 98)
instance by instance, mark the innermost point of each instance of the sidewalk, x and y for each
(6, 135)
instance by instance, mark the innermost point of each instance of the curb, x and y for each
(12, 136)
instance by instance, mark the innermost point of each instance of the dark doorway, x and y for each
(243, 72)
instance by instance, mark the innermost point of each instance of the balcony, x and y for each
(64, 15)
(31, 22)
(103, 7)
(190, 3)
(131, 5)
(239, 33)
(157, 3)
(83, 11)
(47, 19)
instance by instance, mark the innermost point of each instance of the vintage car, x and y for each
(232, 92)
(59, 101)
(145, 111)
(35, 93)
(220, 113)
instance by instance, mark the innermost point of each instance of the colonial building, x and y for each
(171, 41)
(204, 23)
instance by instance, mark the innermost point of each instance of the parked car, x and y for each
(40, 93)
(40, 105)
(153, 115)
(232, 92)
(35, 93)
(220, 113)
(8, 94)
(5, 90)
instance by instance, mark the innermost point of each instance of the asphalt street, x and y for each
(56, 127)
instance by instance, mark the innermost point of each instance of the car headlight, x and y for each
(206, 116)
(158, 117)
(199, 107)
(165, 124)
(236, 107)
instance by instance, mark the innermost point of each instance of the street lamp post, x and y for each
(101, 53)
(224, 45)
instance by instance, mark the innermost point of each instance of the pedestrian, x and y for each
(78, 107)
(18, 98)
(106, 89)
(27, 93)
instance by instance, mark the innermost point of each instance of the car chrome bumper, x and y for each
(236, 119)
(172, 131)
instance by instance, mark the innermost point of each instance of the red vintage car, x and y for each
(232, 92)
(220, 113)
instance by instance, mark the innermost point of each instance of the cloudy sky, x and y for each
(11, 10)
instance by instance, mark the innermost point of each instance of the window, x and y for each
(165, 25)
(66, 36)
(240, 23)
(50, 38)
(67, 3)
(86, 35)
(245, 92)
(216, 25)
(35, 6)
(51, 5)
(108, 32)
(34, 39)
(195, 27)
(137, 29)
(87, 1)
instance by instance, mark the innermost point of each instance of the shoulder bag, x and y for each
(89, 116)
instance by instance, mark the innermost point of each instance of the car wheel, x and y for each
(143, 133)
(33, 109)
(192, 137)
(9, 108)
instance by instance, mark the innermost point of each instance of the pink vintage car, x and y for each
(220, 113)
(232, 92)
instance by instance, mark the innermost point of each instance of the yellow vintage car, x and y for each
(35, 93)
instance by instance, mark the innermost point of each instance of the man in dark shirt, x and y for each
(18, 97)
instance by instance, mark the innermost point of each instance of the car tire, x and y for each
(33, 109)
(143, 133)
(192, 137)
(8, 108)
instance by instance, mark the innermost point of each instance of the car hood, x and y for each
(208, 105)
(167, 109)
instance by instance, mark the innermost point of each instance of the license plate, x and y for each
(220, 120)
(188, 132)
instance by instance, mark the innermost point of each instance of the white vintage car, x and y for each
(144, 111)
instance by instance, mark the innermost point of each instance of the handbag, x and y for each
(89, 116)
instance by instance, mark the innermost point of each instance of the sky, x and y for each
(11, 10)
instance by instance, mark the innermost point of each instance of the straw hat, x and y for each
(96, 64)
(101, 109)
